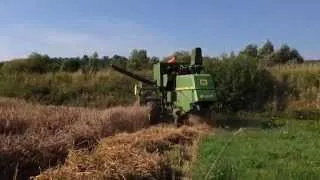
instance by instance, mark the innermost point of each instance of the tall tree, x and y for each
(284, 54)
(138, 59)
(266, 49)
(93, 62)
(250, 50)
(295, 56)
(120, 61)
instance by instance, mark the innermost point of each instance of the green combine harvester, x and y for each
(176, 90)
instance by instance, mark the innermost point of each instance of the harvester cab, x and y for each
(176, 90)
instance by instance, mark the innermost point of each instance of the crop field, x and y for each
(34, 136)
(179, 90)
(50, 142)
(77, 125)
(73, 142)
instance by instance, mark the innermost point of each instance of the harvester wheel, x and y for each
(154, 113)
(177, 117)
(210, 116)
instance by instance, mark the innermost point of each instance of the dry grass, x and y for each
(35, 137)
(301, 84)
(296, 68)
(156, 152)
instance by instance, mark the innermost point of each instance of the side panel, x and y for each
(194, 81)
(204, 95)
(157, 74)
(184, 99)
(203, 81)
(194, 88)
(185, 82)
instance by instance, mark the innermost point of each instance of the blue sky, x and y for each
(73, 28)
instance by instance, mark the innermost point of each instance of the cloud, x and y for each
(105, 37)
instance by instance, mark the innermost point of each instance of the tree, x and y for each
(118, 60)
(284, 53)
(93, 62)
(266, 49)
(240, 84)
(250, 50)
(37, 63)
(105, 61)
(84, 63)
(232, 54)
(70, 64)
(138, 59)
(295, 56)
(154, 59)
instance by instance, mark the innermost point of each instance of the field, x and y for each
(36, 137)
(81, 143)
(79, 126)
(289, 151)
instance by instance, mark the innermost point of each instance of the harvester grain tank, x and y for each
(176, 90)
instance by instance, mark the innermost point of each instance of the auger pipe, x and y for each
(132, 75)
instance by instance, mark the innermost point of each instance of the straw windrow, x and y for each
(147, 153)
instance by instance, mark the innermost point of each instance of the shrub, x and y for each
(240, 84)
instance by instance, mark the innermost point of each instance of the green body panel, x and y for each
(184, 99)
(194, 88)
(157, 74)
(194, 81)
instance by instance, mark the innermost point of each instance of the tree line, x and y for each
(139, 60)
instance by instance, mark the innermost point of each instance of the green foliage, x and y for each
(70, 65)
(240, 84)
(250, 51)
(295, 56)
(284, 55)
(289, 152)
(120, 61)
(266, 49)
(139, 60)
(35, 63)
(241, 80)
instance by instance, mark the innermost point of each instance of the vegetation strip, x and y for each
(286, 152)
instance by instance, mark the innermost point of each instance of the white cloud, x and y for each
(105, 37)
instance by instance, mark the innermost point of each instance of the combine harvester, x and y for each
(176, 91)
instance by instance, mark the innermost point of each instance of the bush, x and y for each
(35, 63)
(241, 84)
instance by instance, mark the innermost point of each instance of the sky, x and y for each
(77, 27)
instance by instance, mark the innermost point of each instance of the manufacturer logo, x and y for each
(203, 82)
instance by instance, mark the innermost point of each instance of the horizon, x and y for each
(75, 28)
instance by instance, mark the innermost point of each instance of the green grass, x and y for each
(289, 152)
